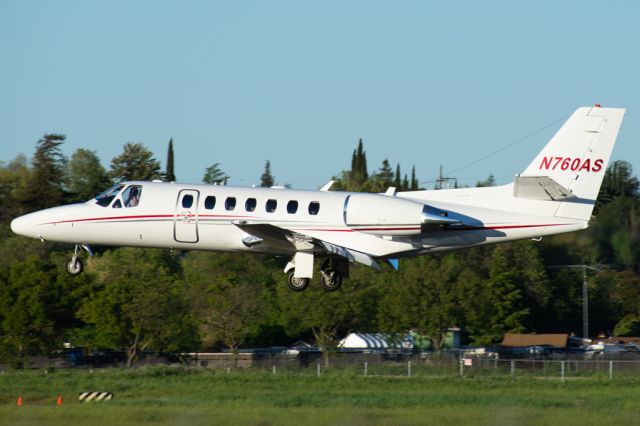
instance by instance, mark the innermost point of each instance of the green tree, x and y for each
(138, 303)
(616, 232)
(490, 181)
(46, 187)
(381, 180)
(499, 304)
(618, 181)
(415, 186)
(230, 296)
(86, 177)
(28, 294)
(14, 185)
(424, 297)
(135, 163)
(213, 175)
(327, 315)
(169, 175)
(397, 178)
(267, 180)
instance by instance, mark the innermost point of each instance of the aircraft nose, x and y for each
(20, 226)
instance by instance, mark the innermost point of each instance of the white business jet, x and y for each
(555, 194)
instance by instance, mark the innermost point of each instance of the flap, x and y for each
(291, 240)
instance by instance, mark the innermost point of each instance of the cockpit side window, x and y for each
(107, 196)
(131, 196)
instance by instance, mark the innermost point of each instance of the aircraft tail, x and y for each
(571, 166)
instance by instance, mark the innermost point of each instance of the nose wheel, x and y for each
(75, 265)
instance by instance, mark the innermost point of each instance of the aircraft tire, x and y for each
(331, 280)
(74, 267)
(295, 283)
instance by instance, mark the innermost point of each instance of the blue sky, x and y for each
(423, 83)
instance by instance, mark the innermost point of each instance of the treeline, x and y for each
(145, 299)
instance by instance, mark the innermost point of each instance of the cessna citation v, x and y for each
(555, 194)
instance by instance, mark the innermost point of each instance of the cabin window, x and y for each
(271, 206)
(117, 204)
(230, 203)
(187, 201)
(314, 208)
(250, 204)
(105, 198)
(292, 206)
(131, 196)
(210, 202)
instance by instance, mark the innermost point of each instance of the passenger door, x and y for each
(185, 229)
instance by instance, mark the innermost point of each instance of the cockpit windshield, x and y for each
(107, 196)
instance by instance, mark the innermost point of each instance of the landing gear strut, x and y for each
(75, 266)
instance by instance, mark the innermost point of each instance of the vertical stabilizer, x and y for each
(577, 157)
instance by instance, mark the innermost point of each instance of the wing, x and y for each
(285, 239)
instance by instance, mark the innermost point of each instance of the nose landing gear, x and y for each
(75, 265)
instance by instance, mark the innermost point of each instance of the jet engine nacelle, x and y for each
(387, 215)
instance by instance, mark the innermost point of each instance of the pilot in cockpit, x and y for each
(133, 197)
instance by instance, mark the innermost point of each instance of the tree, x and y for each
(490, 181)
(428, 303)
(328, 315)
(230, 295)
(397, 182)
(26, 295)
(383, 179)
(169, 175)
(618, 181)
(213, 175)
(359, 174)
(14, 185)
(616, 232)
(138, 303)
(86, 177)
(499, 302)
(267, 180)
(414, 181)
(46, 186)
(135, 163)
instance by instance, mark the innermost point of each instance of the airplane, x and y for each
(555, 194)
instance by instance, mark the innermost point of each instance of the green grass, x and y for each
(341, 396)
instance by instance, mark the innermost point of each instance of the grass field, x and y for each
(177, 396)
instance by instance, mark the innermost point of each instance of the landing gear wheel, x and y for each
(74, 266)
(296, 283)
(330, 280)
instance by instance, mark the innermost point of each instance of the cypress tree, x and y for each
(405, 183)
(414, 180)
(169, 175)
(397, 183)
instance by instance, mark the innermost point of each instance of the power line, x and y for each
(491, 154)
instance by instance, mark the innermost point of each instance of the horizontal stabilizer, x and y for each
(540, 188)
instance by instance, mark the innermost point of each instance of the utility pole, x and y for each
(585, 294)
(585, 304)
(441, 179)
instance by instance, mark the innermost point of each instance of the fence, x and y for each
(383, 365)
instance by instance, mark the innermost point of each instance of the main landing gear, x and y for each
(75, 266)
(332, 273)
(297, 283)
